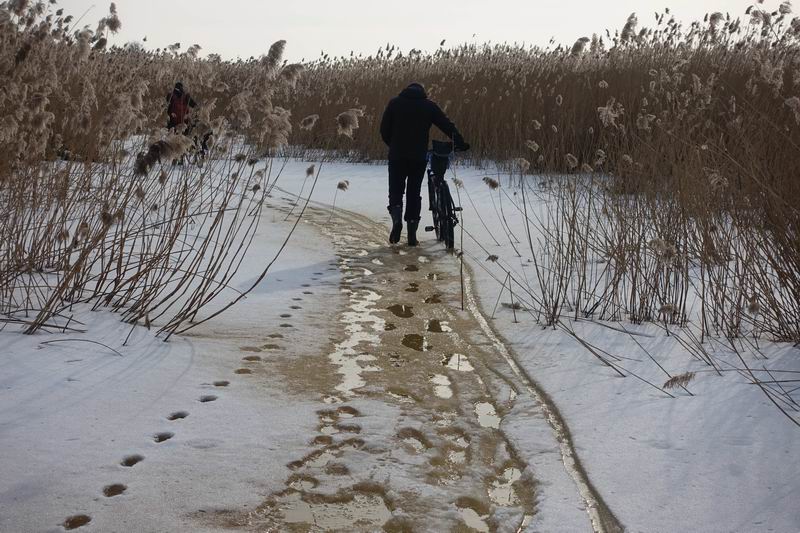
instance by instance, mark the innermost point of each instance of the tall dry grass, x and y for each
(93, 207)
(692, 135)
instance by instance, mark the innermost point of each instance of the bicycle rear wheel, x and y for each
(448, 218)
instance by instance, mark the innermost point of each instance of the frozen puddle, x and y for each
(363, 327)
(472, 519)
(438, 326)
(442, 386)
(502, 492)
(487, 416)
(415, 342)
(365, 510)
(458, 362)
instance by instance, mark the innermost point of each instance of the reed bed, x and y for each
(682, 143)
(99, 204)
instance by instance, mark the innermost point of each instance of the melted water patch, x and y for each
(401, 311)
(411, 268)
(458, 362)
(487, 416)
(502, 491)
(442, 386)
(438, 326)
(435, 299)
(434, 276)
(415, 342)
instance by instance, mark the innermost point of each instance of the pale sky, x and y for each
(241, 28)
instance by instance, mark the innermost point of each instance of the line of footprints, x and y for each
(129, 461)
(116, 489)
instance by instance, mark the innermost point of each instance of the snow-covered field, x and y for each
(724, 459)
(71, 412)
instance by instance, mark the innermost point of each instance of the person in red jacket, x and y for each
(178, 103)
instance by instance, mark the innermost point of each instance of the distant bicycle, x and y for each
(441, 202)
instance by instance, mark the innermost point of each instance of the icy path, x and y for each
(349, 392)
(423, 423)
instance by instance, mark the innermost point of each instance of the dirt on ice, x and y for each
(412, 398)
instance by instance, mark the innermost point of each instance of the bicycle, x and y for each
(441, 203)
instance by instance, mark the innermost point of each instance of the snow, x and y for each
(722, 460)
(71, 412)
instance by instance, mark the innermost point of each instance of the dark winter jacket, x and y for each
(178, 104)
(407, 121)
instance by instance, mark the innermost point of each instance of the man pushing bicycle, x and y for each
(405, 128)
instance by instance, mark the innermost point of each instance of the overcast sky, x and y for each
(241, 28)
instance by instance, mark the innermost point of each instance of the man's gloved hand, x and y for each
(462, 146)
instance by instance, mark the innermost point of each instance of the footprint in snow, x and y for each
(208, 398)
(178, 415)
(109, 491)
(162, 437)
(322, 440)
(132, 460)
(271, 347)
(76, 521)
(221, 383)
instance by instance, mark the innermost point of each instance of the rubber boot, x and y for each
(412, 232)
(396, 211)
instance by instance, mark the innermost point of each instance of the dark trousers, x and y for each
(405, 176)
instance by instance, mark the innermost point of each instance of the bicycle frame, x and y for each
(441, 202)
